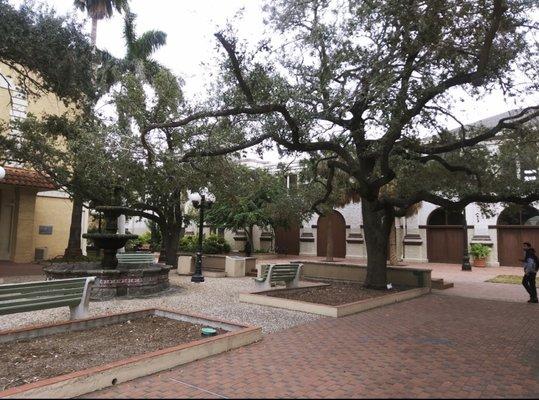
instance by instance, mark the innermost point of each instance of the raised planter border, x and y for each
(327, 310)
(97, 378)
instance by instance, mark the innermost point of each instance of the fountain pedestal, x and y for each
(113, 279)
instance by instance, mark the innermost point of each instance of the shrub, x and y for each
(478, 250)
(211, 244)
(188, 243)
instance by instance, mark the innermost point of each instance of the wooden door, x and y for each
(287, 240)
(338, 228)
(510, 239)
(445, 243)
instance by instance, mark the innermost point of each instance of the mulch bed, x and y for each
(27, 361)
(337, 293)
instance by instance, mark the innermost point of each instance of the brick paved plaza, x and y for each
(433, 346)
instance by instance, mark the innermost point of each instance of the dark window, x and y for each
(441, 216)
(518, 215)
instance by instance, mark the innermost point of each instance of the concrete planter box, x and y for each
(96, 378)
(239, 266)
(327, 310)
(216, 262)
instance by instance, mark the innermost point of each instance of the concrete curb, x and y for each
(100, 377)
(332, 311)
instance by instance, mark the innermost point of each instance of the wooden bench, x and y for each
(31, 296)
(135, 258)
(271, 274)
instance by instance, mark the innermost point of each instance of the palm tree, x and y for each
(140, 49)
(99, 9)
(96, 9)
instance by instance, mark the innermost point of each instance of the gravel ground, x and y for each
(217, 297)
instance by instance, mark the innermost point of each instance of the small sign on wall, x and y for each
(45, 229)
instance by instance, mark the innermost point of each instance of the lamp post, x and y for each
(200, 202)
(466, 266)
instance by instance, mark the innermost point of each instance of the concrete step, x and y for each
(438, 283)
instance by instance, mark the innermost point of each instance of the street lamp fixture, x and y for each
(200, 201)
(2, 173)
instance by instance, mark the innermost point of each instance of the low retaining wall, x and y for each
(186, 262)
(415, 277)
(97, 378)
(327, 310)
(118, 282)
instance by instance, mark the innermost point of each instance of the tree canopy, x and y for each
(372, 84)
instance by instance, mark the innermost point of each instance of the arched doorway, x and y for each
(334, 225)
(445, 236)
(287, 240)
(516, 225)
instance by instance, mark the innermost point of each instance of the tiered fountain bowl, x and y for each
(112, 278)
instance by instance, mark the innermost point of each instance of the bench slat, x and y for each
(55, 281)
(69, 301)
(42, 299)
(42, 287)
(42, 293)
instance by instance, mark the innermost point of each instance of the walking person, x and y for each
(531, 264)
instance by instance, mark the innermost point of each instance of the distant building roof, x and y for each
(24, 177)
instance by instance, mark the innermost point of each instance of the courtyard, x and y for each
(452, 343)
(432, 347)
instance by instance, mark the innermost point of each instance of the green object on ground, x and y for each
(514, 279)
(208, 331)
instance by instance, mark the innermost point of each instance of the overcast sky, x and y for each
(190, 26)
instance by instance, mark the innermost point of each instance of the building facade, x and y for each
(34, 216)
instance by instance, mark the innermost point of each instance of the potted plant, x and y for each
(480, 252)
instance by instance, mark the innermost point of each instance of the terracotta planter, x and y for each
(480, 262)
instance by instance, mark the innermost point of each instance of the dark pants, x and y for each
(528, 281)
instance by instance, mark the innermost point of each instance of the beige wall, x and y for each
(23, 246)
(55, 212)
(31, 211)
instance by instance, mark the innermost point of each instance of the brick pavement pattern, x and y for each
(431, 347)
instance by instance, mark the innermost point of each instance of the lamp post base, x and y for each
(197, 276)
(466, 266)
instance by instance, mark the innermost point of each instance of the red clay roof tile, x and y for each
(25, 177)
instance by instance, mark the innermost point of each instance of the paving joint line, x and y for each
(199, 388)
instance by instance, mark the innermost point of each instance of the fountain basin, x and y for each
(109, 240)
(132, 281)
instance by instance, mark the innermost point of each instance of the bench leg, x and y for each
(295, 282)
(78, 312)
(81, 310)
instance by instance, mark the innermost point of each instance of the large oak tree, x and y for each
(373, 83)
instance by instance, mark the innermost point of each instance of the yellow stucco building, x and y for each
(34, 216)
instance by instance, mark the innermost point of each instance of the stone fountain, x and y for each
(113, 279)
(110, 241)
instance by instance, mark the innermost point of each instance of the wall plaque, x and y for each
(45, 229)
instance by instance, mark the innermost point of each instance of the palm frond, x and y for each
(149, 42)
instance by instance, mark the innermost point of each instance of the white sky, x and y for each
(190, 26)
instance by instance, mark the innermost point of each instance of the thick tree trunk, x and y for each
(93, 37)
(171, 241)
(376, 224)
(249, 243)
(393, 258)
(330, 240)
(75, 229)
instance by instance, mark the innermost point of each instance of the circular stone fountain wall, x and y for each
(132, 281)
